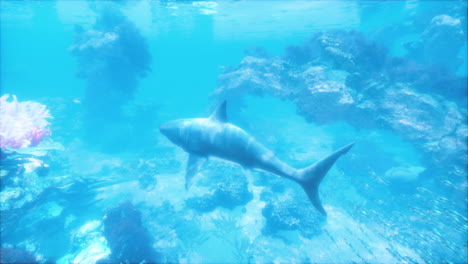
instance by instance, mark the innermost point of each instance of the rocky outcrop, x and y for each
(229, 190)
(289, 212)
(444, 35)
(342, 77)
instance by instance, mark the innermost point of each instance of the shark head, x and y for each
(173, 130)
(188, 133)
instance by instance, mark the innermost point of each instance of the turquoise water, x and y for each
(94, 181)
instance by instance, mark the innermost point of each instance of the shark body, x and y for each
(216, 137)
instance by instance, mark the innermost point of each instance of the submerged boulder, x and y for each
(290, 212)
(407, 174)
(228, 189)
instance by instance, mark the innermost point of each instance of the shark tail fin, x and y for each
(311, 177)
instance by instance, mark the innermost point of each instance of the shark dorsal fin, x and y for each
(220, 113)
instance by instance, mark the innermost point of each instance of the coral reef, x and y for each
(341, 50)
(229, 191)
(48, 204)
(429, 36)
(23, 172)
(339, 76)
(289, 212)
(22, 124)
(112, 58)
(127, 238)
(444, 35)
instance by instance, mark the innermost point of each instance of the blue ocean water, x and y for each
(87, 176)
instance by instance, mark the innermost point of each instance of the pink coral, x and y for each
(22, 124)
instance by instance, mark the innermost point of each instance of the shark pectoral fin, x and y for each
(195, 162)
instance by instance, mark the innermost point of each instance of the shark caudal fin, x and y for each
(311, 177)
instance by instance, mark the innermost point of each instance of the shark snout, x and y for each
(171, 130)
(164, 129)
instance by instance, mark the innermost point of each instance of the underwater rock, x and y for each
(112, 57)
(427, 78)
(339, 49)
(232, 193)
(335, 97)
(147, 170)
(88, 240)
(276, 184)
(257, 76)
(23, 174)
(228, 196)
(336, 84)
(127, 238)
(114, 53)
(440, 43)
(20, 188)
(404, 179)
(42, 204)
(230, 189)
(289, 213)
(17, 255)
(404, 174)
(204, 204)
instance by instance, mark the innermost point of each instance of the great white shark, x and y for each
(216, 137)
